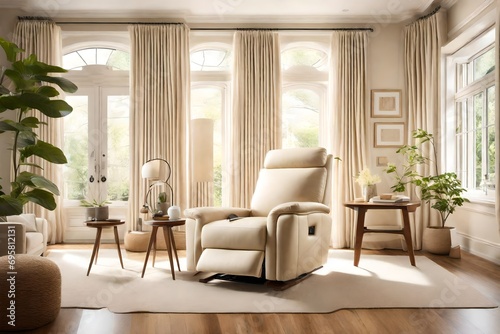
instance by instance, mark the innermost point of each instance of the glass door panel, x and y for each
(76, 128)
(118, 145)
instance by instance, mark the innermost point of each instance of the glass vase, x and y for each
(368, 191)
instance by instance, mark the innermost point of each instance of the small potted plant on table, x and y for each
(96, 210)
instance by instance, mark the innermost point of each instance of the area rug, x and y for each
(380, 281)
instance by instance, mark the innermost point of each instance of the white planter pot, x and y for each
(368, 192)
(437, 240)
(98, 213)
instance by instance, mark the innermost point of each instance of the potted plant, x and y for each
(443, 190)
(96, 210)
(162, 205)
(22, 92)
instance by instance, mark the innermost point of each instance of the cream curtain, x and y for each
(159, 88)
(423, 40)
(347, 127)
(256, 122)
(43, 38)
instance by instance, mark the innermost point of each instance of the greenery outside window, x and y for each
(305, 77)
(475, 123)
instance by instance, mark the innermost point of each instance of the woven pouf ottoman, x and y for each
(30, 288)
(138, 241)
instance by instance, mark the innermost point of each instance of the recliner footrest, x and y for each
(231, 261)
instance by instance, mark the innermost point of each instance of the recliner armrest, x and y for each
(209, 214)
(300, 208)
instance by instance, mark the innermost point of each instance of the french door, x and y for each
(96, 143)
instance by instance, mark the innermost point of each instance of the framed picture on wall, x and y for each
(389, 134)
(386, 103)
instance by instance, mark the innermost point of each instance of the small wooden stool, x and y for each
(169, 241)
(100, 224)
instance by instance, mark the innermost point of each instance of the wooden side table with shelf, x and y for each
(362, 207)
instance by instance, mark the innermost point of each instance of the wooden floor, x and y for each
(481, 274)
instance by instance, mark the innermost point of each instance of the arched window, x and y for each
(210, 59)
(115, 59)
(305, 78)
(304, 58)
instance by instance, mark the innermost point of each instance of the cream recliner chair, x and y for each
(288, 225)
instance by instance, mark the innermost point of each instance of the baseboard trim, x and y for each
(480, 247)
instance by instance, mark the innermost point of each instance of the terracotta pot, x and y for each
(437, 240)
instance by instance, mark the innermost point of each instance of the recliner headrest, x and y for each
(296, 158)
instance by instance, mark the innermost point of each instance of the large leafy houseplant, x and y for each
(23, 88)
(443, 190)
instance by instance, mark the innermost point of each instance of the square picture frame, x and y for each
(386, 103)
(389, 134)
(382, 161)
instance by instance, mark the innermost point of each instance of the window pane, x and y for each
(119, 60)
(76, 148)
(461, 171)
(89, 56)
(118, 148)
(207, 102)
(210, 60)
(491, 105)
(461, 76)
(491, 133)
(72, 61)
(478, 110)
(478, 143)
(303, 57)
(459, 116)
(484, 64)
(300, 118)
(102, 55)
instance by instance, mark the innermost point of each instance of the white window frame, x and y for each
(463, 54)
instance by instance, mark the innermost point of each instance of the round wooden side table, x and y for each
(99, 225)
(169, 241)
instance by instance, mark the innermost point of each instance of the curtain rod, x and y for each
(219, 29)
(288, 29)
(34, 18)
(434, 11)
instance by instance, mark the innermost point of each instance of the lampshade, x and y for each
(202, 148)
(151, 170)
